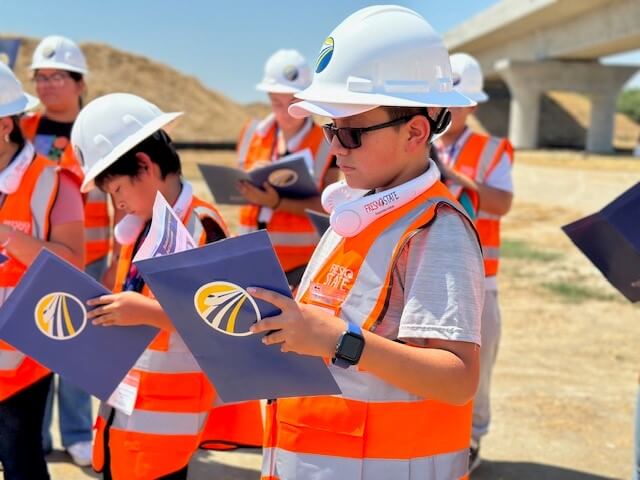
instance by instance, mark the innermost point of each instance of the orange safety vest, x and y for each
(374, 430)
(477, 158)
(232, 426)
(174, 396)
(97, 222)
(293, 236)
(27, 210)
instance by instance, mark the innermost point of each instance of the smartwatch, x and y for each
(349, 347)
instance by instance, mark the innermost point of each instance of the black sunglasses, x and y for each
(352, 137)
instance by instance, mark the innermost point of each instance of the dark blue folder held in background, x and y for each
(289, 175)
(45, 318)
(204, 293)
(610, 238)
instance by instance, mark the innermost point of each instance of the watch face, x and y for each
(351, 347)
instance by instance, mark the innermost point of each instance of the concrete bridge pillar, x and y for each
(528, 80)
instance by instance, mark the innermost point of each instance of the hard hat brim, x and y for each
(346, 104)
(150, 128)
(275, 88)
(24, 104)
(478, 97)
(58, 66)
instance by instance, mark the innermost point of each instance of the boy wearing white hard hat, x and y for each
(40, 207)
(127, 153)
(393, 293)
(59, 69)
(292, 234)
(478, 172)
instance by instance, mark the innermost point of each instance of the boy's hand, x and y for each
(267, 196)
(123, 309)
(303, 329)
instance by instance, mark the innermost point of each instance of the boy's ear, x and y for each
(419, 131)
(144, 161)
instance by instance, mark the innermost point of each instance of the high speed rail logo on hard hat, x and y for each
(227, 308)
(60, 316)
(324, 57)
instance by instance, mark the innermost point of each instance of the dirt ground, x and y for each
(565, 381)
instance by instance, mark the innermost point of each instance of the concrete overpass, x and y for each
(535, 46)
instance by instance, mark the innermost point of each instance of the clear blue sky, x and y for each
(223, 43)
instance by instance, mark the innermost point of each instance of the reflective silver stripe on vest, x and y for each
(104, 411)
(486, 158)
(4, 293)
(286, 465)
(46, 187)
(95, 195)
(322, 160)
(482, 215)
(10, 359)
(167, 362)
(94, 234)
(160, 423)
(491, 253)
(293, 239)
(245, 141)
(370, 281)
(194, 224)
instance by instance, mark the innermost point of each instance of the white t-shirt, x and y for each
(438, 285)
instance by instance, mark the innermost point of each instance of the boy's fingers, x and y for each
(102, 300)
(270, 296)
(266, 325)
(274, 338)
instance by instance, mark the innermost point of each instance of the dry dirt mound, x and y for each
(209, 115)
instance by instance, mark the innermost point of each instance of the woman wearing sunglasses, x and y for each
(59, 68)
(40, 206)
(292, 234)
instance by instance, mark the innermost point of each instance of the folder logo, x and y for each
(226, 307)
(283, 177)
(60, 316)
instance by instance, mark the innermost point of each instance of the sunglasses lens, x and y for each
(349, 137)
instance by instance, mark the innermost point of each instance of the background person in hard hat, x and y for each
(127, 154)
(40, 206)
(59, 68)
(394, 291)
(292, 234)
(478, 172)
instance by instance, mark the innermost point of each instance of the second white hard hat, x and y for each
(110, 126)
(467, 77)
(383, 55)
(59, 53)
(13, 99)
(286, 71)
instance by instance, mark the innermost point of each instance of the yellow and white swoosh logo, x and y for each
(227, 308)
(60, 316)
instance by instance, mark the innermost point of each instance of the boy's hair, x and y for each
(159, 149)
(16, 135)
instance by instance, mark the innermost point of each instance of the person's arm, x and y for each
(66, 236)
(492, 200)
(109, 277)
(267, 196)
(441, 316)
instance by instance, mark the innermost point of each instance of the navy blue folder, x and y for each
(9, 48)
(610, 238)
(204, 293)
(289, 175)
(45, 318)
(319, 220)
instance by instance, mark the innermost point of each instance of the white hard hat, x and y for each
(286, 71)
(110, 126)
(13, 100)
(59, 53)
(467, 77)
(379, 56)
